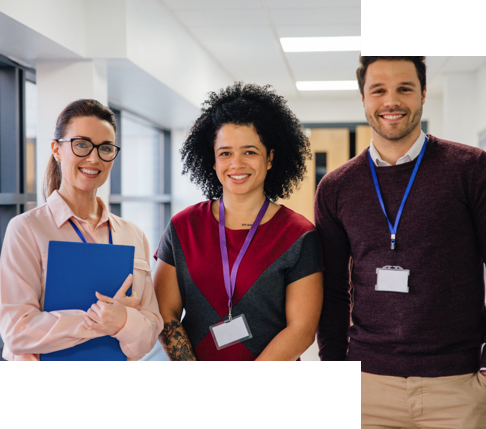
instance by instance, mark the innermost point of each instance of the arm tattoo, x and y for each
(175, 342)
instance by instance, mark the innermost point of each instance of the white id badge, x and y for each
(227, 333)
(392, 279)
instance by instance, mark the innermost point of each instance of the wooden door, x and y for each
(363, 138)
(334, 142)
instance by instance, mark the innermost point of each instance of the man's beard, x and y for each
(399, 133)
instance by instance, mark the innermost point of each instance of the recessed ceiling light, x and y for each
(327, 85)
(320, 44)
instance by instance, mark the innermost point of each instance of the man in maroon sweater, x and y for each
(418, 314)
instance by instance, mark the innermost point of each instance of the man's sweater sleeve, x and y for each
(332, 332)
(478, 208)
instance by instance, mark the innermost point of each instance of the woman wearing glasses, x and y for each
(83, 151)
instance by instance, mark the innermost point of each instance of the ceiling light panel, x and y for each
(327, 85)
(321, 44)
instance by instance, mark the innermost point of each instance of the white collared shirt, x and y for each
(412, 153)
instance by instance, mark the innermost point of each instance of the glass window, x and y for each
(30, 139)
(140, 178)
(147, 217)
(141, 156)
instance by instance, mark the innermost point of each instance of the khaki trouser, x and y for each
(457, 401)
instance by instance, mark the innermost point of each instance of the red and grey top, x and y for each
(283, 250)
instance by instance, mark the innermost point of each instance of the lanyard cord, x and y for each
(230, 280)
(82, 236)
(393, 228)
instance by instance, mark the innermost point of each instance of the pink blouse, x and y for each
(26, 329)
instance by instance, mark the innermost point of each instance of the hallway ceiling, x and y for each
(243, 37)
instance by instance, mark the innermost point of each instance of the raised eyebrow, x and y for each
(224, 148)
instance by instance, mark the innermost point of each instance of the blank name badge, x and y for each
(392, 279)
(230, 332)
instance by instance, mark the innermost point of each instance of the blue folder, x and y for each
(75, 271)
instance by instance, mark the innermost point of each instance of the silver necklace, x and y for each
(85, 217)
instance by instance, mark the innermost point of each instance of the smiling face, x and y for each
(241, 160)
(393, 100)
(88, 173)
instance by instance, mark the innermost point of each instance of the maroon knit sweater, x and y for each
(438, 327)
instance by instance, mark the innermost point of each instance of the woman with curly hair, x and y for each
(246, 270)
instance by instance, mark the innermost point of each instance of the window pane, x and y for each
(141, 165)
(147, 216)
(30, 134)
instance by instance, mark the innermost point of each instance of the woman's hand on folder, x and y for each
(106, 317)
(132, 301)
(109, 315)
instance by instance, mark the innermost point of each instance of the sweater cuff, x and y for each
(132, 329)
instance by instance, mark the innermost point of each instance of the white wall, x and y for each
(59, 83)
(53, 19)
(464, 106)
(158, 44)
(433, 114)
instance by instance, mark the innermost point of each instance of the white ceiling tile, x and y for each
(354, 94)
(321, 16)
(212, 4)
(222, 18)
(304, 4)
(319, 30)
(323, 65)
(231, 34)
(230, 51)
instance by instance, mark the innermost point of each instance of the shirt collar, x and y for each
(412, 153)
(62, 212)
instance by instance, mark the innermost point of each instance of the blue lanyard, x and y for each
(393, 229)
(82, 236)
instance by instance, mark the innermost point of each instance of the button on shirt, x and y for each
(412, 153)
(26, 329)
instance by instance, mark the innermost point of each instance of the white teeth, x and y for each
(392, 116)
(84, 170)
(239, 177)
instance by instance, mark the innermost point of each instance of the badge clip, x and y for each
(392, 279)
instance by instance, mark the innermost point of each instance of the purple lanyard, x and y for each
(230, 281)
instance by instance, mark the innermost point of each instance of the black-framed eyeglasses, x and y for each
(83, 147)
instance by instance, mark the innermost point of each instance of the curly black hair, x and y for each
(276, 125)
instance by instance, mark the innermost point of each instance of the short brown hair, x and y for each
(76, 109)
(419, 63)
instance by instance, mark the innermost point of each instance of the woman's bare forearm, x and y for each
(175, 342)
(288, 345)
